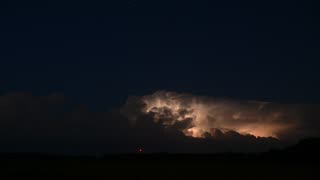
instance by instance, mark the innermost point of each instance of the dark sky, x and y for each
(101, 52)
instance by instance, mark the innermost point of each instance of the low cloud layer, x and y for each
(161, 122)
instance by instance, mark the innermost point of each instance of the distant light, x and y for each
(140, 150)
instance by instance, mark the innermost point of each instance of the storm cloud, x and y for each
(178, 123)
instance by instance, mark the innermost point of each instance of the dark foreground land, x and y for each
(292, 163)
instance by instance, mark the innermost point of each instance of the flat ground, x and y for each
(163, 167)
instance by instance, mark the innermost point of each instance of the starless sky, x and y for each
(101, 52)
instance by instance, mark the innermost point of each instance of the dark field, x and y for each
(160, 167)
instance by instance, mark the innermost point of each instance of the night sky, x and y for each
(98, 54)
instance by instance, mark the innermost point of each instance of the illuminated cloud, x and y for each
(199, 116)
(160, 122)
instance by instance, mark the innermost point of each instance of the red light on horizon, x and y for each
(140, 150)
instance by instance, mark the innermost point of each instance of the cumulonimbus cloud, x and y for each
(159, 122)
(200, 116)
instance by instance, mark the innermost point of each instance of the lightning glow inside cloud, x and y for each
(199, 116)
